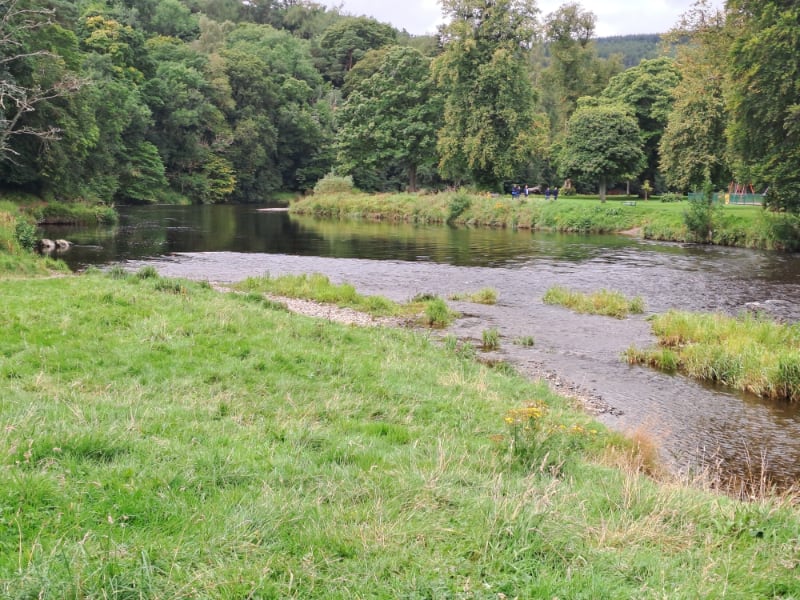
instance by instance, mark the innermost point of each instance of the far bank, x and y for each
(740, 226)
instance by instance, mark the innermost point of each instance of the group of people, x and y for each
(517, 191)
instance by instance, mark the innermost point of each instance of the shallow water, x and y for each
(695, 424)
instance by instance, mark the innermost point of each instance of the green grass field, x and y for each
(159, 439)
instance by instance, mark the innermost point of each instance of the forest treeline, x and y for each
(207, 101)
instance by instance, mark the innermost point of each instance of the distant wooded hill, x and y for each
(633, 48)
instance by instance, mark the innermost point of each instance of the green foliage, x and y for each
(25, 233)
(700, 216)
(693, 147)
(647, 90)
(389, 120)
(603, 144)
(346, 42)
(764, 126)
(437, 313)
(457, 205)
(490, 126)
(633, 48)
(603, 302)
(335, 184)
(672, 197)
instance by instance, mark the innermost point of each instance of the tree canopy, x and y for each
(603, 143)
(120, 101)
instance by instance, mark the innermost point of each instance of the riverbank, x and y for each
(741, 226)
(163, 439)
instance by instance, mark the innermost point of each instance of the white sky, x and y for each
(614, 17)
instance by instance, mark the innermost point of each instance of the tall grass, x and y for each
(747, 352)
(482, 296)
(202, 445)
(602, 302)
(16, 259)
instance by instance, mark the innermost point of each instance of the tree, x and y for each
(647, 90)
(32, 74)
(764, 88)
(390, 118)
(490, 124)
(693, 147)
(346, 42)
(603, 143)
(280, 125)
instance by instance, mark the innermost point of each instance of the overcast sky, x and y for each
(614, 17)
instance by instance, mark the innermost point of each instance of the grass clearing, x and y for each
(747, 352)
(604, 302)
(202, 445)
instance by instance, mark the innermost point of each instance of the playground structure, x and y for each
(738, 194)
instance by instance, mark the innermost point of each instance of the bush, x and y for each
(25, 233)
(458, 204)
(672, 197)
(334, 184)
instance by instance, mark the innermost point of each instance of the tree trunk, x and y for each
(412, 178)
(602, 190)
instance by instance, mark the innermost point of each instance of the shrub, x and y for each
(334, 184)
(25, 233)
(458, 204)
(672, 197)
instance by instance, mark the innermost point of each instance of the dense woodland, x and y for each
(207, 101)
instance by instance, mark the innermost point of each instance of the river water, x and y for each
(695, 425)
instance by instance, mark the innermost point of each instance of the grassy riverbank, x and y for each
(748, 353)
(53, 212)
(745, 226)
(160, 439)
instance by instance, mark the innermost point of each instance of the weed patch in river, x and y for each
(748, 352)
(603, 302)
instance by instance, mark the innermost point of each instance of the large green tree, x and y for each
(389, 120)
(603, 144)
(647, 90)
(490, 125)
(693, 147)
(574, 69)
(281, 126)
(38, 74)
(764, 98)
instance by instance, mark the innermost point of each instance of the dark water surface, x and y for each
(695, 424)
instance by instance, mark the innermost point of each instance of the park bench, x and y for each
(629, 203)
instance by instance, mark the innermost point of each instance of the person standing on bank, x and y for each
(547, 193)
(555, 194)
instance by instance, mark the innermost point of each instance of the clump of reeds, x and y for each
(748, 352)
(602, 302)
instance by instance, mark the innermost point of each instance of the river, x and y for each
(695, 425)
